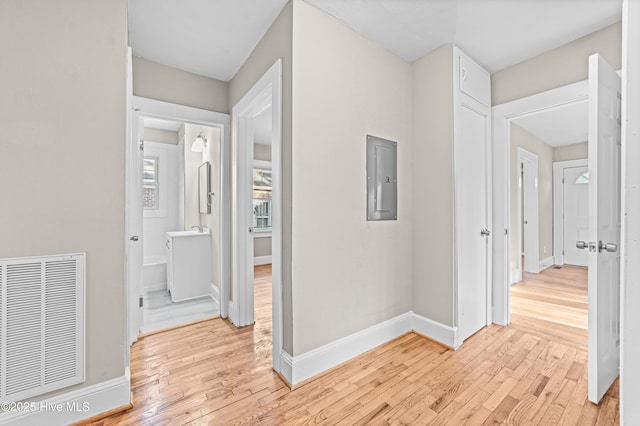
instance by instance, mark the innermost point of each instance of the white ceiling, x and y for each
(560, 126)
(497, 33)
(207, 37)
(214, 37)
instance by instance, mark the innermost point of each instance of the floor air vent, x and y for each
(41, 324)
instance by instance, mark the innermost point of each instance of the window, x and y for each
(262, 197)
(582, 179)
(150, 183)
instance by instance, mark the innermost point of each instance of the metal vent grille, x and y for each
(41, 324)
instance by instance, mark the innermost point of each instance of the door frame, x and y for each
(630, 232)
(530, 193)
(558, 205)
(144, 107)
(503, 114)
(241, 306)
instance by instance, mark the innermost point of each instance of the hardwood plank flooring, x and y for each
(213, 373)
(553, 305)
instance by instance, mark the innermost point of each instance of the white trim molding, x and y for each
(215, 294)
(515, 276)
(301, 367)
(296, 369)
(434, 330)
(545, 263)
(502, 116)
(73, 406)
(262, 260)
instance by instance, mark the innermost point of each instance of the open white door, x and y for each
(134, 212)
(604, 226)
(241, 311)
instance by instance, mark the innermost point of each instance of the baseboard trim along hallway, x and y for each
(73, 406)
(297, 369)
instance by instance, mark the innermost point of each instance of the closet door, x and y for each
(472, 150)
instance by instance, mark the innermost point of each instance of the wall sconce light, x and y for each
(199, 144)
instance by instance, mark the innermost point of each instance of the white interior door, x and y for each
(530, 211)
(604, 226)
(472, 228)
(241, 311)
(575, 194)
(135, 253)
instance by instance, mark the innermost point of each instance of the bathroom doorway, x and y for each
(163, 178)
(174, 292)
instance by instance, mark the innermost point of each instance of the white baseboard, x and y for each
(515, 276)
(215, 294)
(155, 286)
(444, 334)
(301, 367)
(75, 405)
(262, 260)
(545, 263)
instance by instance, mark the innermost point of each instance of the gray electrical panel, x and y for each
(382, 179)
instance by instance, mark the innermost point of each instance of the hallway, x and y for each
(213, 373)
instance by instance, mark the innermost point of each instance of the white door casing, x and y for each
(630, 245)
(575, 222)
(502, 116)
(604, 226)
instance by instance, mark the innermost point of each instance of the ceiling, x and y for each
(564, 125)
(214, 37)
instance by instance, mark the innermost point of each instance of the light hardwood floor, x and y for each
(213, 373)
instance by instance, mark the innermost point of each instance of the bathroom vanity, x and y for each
(188, 264)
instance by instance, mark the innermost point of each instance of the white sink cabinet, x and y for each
(188, 264)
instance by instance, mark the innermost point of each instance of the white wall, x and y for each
(558, 67)
(433, 194)
(576, 151)
(347, 273)
(156, 223)
(62, 157)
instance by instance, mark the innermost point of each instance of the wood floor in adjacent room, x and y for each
(213, 373)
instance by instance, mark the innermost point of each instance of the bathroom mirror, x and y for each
(204, 187)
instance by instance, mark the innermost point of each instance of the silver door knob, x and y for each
(610, 247)
(134, 238)
(582, 245)
(485, 232)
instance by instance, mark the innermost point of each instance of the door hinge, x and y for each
(563, 181)
(140, 303)
(563, 252)
(141, 145)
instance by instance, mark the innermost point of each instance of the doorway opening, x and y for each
(256, 205)
(168, 216)
(178, 287)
